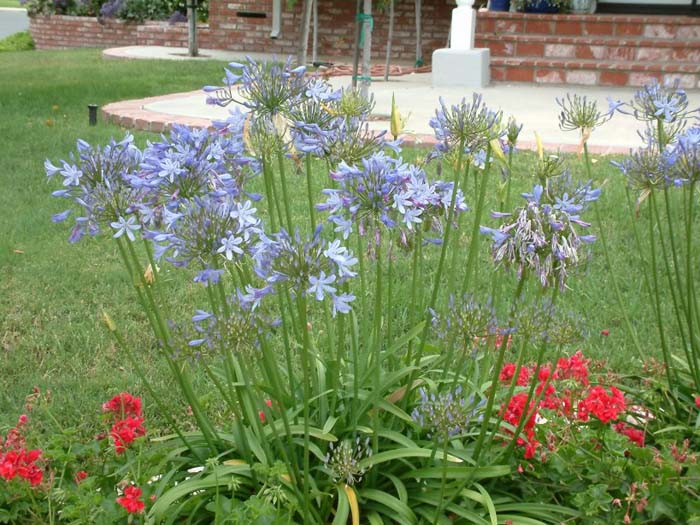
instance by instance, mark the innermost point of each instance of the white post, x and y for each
(463, 25)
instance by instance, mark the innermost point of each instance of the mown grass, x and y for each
(52, 293)
(10, 3)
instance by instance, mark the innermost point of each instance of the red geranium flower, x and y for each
(125, 431)
(123, 405)
(635, 435)
(131, 500)
(603, 406)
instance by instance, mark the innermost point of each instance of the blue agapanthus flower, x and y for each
(210, 230)
(309, 267)
(100, 182)
(385, 193)
(193, 162)
(542, 237)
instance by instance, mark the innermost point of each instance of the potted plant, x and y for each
(583, 7)
(541, 6)
(499, 5)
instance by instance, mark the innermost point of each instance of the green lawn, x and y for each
(52, 293)
(10, 3)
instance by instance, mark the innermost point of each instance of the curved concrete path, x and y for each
(533, 105)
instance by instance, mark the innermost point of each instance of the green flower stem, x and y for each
(162, 334)
(510, 177)
(496, 372)
(659, 320)
(389, 294)
(538, 365)
(414, 290)
(270, 195)
(669, 277)
(276, 384)
(476, 237)
(306, 379)
(310, 192)
(377, 345)
(606, 254)
(285, 194)
(443, 480)
(162, 409)
(441, 261)
(287, 349)
(456, 250)
(361, 263)
(690, 281)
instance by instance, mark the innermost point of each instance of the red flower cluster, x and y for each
(261, 414)
(16, 460)
(635, 435)
(561, 389)
(123, 405)
(514, 413)
(131, 500)
(603, 406)
(126, 411)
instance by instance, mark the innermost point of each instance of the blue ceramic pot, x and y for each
(499, 5)
(540, 6)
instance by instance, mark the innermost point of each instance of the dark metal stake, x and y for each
(92, 112)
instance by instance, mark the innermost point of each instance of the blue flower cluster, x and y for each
(310, 267)
(542, 237)
(472, 125)
(101, 182)
(444, 415)
(387, 192)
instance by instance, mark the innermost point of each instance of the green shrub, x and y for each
(18, 42)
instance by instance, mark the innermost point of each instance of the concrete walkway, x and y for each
(532, 105)
(13, 20)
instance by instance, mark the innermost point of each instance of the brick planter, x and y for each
(232, 28)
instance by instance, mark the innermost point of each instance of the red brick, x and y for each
(569, 28)
(613, 78)
(586, 78)
(549, 76)
(653, 53)
(659, 31)
(686, 55)
(559, 50)
(619, 53)
(640, 79)
(540, 26)
(509, 26)
(623, 29)
(498, 73)
(530, 49)
(684, 81)
(501, 49)
(519, 74)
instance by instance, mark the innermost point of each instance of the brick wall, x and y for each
(228, 30)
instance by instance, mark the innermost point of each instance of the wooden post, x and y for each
(389, 38)
(192, 49)
(356, 46)
(305, 24)
(419, 36)
(366, 48)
